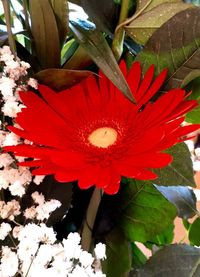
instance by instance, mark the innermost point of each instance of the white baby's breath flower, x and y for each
(86, 259)
(11, 139)
(47, 234)
(5, 228)
(6, 87)
(32, 83)
(9, 262)
(5, 160)
(38, 179)
(17, 189)
(38, 198)
(30, 213)
(27, 248)
(100, 251)
(16, 230)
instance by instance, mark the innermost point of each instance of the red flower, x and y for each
(93, 134)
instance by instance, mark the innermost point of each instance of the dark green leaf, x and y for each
(143, 210)
(194, 232)
(60, 8)
(182, 197)
(180, 171)
(45, 33)
(97, 48)
(174, 261)
(118, 252)
(176, 46)
(59, 79)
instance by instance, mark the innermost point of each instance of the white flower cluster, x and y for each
(11, 81)
(34, 251)
(42, 209)
(38, 254)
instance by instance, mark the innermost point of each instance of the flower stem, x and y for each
(11, 40)
(118, 40)
(86, 236)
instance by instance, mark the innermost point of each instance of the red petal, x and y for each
(113, 187)
(133, 79)
(154, 87)
(86, 179)
(63, 175)
(149, 160)
(146, 82)
(146, 175)
(68, 159)
(104, 177)
(25, 150)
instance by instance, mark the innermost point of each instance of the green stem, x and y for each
(118, 40)
(86, 236)
(11, 40)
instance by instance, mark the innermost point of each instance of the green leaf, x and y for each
(60, 8)
(174, 261)
(138, 257)
(182, 197)
(180, 171)
(60, 79)
(176, 46)
(194, 232)
(97, 48)
(166, 237)
(194, 86)
(143, 26)
(118, 252)
(142, 211)
(193, 116)
(45, 33)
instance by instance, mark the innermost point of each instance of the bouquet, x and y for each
(99, 138)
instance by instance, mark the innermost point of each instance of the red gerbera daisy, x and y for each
(93, 134)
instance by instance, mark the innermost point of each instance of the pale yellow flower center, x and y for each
(103, 137)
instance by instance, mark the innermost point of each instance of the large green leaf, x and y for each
(60, 8)
(174, 261)
(143, 26)
(59, 79)
(142, 211)
(118, 252)
(45, 33)
(180, 171)
(176, 46)
(97, 48)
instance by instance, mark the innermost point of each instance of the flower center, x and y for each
(103, 137)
